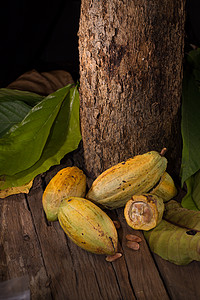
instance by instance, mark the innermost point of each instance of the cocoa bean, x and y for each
(133, 238)
(117, 224)
(133, 245)
(111, 258)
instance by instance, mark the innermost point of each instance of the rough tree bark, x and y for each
(131, 54)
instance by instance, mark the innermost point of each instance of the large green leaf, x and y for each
(24, 96)
(192, 198)
(11, 113)
(177, 237)
(23, 145)
(63, 137)
(14, 106)
(190, 127)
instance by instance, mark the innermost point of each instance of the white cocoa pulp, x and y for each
(140, 213)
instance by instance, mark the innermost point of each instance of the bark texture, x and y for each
(131, 56)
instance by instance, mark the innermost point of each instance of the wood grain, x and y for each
(20, 249)
(182, 281)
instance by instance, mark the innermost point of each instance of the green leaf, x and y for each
(13, 95)
(11, 113)
(177, 237)
(193, 59)
(64, 136)
(190, 128)
(192, 198)
(23, 145)
(14, 106)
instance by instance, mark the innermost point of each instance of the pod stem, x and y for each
(163, 151)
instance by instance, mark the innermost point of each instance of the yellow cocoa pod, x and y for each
(88, 226)
(166, 188)
(115, 186)
(144, 212)
(70, 181)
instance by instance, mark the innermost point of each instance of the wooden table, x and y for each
(58, 269)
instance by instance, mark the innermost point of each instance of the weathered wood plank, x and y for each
(19, 248)
(182, 281)
(58, 269)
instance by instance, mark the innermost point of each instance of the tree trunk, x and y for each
(131, 56)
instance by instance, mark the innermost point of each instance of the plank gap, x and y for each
(38, 238)
(27, 205)
(128, 279)
(99, 287)
(159, 271)
(72, 258)
(129, 276)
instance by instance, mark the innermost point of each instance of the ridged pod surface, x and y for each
(166, 188)
(115, 186)
(144, 212)
(88, 226)
(70, 181)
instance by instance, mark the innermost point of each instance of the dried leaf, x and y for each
(43, 83)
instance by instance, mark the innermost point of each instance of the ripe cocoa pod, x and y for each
(144, 212)
(70, 181)
(88, 226)
(166, 188)
(115, 186)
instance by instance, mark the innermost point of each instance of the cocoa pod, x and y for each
(70, 181)
(166, 188)
(115, 186)
(144, 212)
(88, 226)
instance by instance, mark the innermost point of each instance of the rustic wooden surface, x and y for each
(58, 269)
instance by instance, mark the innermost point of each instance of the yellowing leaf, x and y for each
(177, 237)
(16, 190)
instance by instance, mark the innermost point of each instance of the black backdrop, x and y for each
(43, 35)
(40, 35)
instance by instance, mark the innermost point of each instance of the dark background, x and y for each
(40, 35)
(43, 36)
